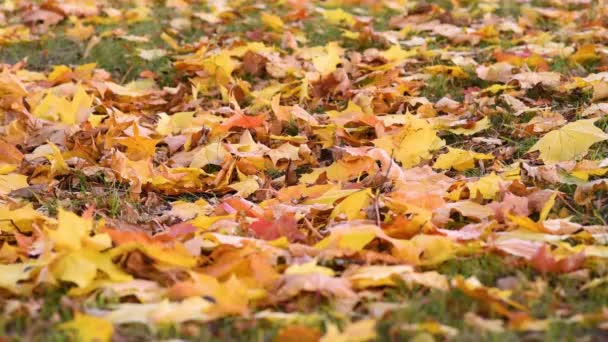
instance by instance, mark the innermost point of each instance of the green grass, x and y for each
(439, 86)
(112, 54)
(320, 33)
(43, 54)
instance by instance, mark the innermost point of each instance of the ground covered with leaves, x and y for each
(335, 170)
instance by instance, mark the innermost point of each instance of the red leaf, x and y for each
(244, 121)
(177, 230)
(286, 226)
(545, 262)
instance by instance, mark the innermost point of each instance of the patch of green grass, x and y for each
(524, 146)
(421, 306)
(274, 173)
(226, 329)
(291, 128)
(21, 325)
(320, 33)
(118, 56)
(43, 54)
(546, 24)
(445, 4)
(508, 8)
(487, 268)
(382, 17)
(113, 54)
(561, 65)
(439, 86)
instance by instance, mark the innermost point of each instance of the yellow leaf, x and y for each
(496, 88)
(425, 249)
(487, 186)
(12, 182)
(350, 34)
(325, 59)
(354, 239)
(80, 267)
(58, 164)
(286, 151)
(272, 21)
(203, 222)
(190, 309)
(309, 267)
(56, 108)
(281, 242)
(7, 168)
(89, 328)
(95, 120)
(79, 31)
(600, 91)
(22, 218)
(170, 41)
(396, 53)
(569, 142)
(361, 331)
(338, 16)
(138, 147)
(585, 53)
(176, 256)
(213, 153)
(331, 196)
(453, 71)
(586, 168)
(459, 159)
(10, 275)
(380, 275)
(70, 230)
(547, 207)
(246, 186)
(412, 143)
(477, 127)
(58, 72)
(437, 248)
(189, 210)
(49, 107)
(352, 205)
(221, 66)
(175, 123)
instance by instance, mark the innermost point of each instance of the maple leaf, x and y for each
(544, 261)
(360, 331)
(12, 274)
(413, 143)
(285, 225)
(56, 108)
(325, 59)
(352, 205)
(243, 121)
(569, 142)
(81, 267)
(89, 328)
(12, 182)
(459, 159)
(338, 16)
(273, 22)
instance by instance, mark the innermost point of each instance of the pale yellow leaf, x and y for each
(569, 142)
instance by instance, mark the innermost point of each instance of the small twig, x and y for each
(377, 207)
(124, 77)
(312, 228)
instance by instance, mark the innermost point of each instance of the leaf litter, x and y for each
(334, 171)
